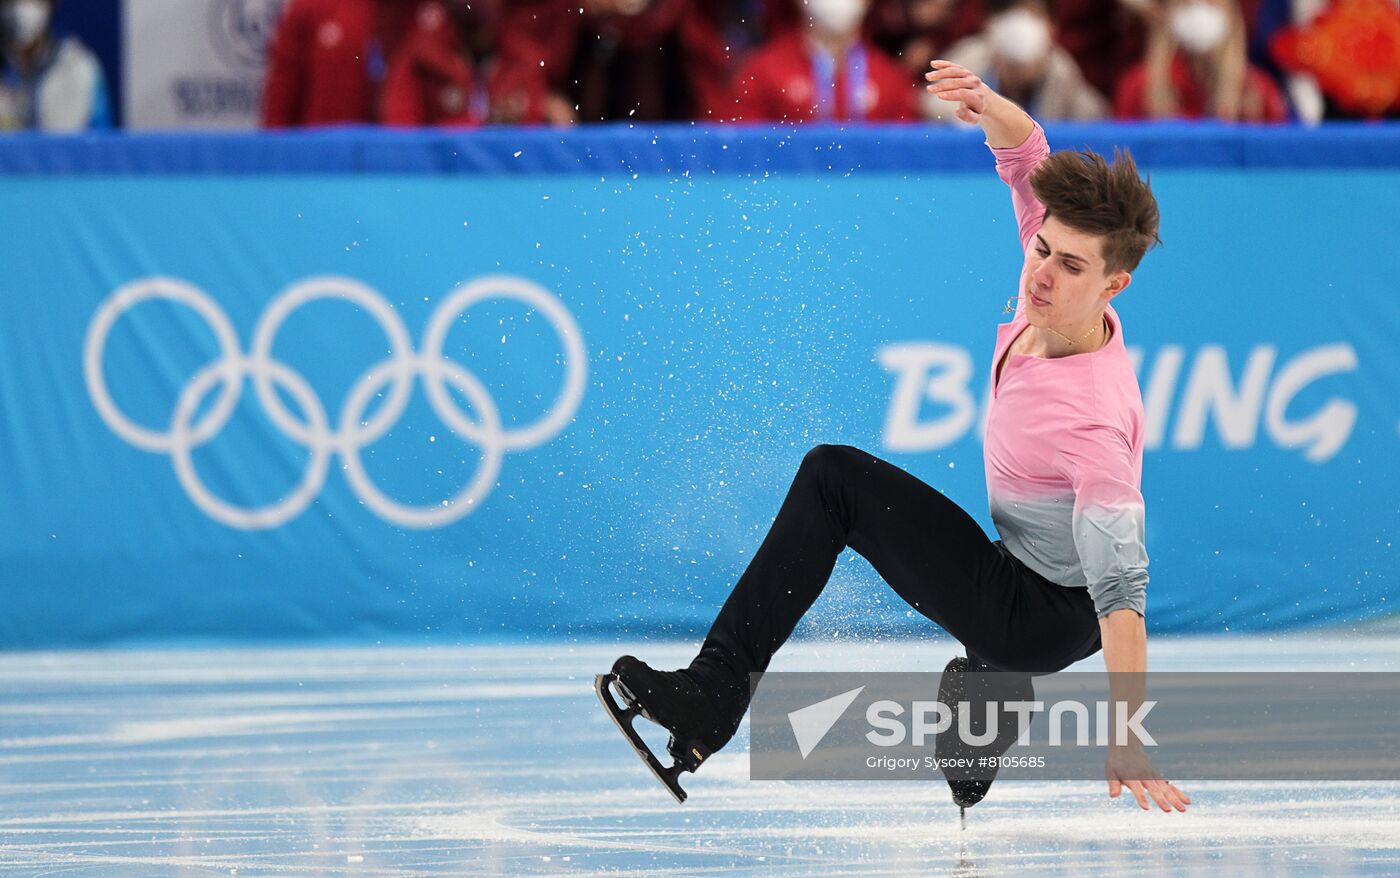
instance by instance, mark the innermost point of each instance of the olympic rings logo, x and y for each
(352, 432)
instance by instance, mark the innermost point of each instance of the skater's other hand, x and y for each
(1129, 767)
(954, 83)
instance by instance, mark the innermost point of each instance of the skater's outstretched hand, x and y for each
(955, 83)
(1124, 634)
(1005, 124)
(1129, 767)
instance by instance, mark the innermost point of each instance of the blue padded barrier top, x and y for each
(680, 148)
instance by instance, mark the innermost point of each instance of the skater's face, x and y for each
(1067, 281)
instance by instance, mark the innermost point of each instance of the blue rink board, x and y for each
(681, 148)
(729, 322)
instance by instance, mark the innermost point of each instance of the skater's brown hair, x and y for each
(1088, 194)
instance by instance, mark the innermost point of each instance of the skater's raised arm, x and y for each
(1006, 124)
(1014, 137)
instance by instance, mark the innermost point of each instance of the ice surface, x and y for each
(498, 760)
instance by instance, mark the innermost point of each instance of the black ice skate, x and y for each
(672, 700)
(970, 785)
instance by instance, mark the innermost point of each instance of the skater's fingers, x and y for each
(1178, 799)
(957, 95)
(1114, 787)
(952, 75)
(960, 94)
(1165, 794)
(962, 89)
(1158, 790)
(1136, 788)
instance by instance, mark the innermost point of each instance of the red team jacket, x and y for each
(327, 58)
(432, 80)
(665, 62)
(1263, 102)
(778, 83)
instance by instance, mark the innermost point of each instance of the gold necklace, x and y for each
(1072, 342)
(1011, 304)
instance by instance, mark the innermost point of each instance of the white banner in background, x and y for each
(195, 63)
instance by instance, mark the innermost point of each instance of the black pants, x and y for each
(924, 545)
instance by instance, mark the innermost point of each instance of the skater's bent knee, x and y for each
(829, 455)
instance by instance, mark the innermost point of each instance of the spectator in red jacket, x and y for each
(327, 59)
(823, 71)
(620, 59)
(1105, 37)
(446, 71)
(1197, 67)
(917, 31)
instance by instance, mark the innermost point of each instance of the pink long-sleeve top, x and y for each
(1063, 449)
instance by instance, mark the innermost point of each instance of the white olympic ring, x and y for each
(352, 432)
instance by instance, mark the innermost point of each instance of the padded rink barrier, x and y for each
(424, 385)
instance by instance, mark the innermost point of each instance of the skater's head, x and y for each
(1100, 218)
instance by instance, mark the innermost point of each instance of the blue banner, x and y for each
(401, 405)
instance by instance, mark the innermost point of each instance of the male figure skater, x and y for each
(1063, 457)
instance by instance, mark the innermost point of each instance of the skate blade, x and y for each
(622, 718)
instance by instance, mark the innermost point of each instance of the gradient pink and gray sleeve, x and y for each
(1109, 516)
(1014, 166)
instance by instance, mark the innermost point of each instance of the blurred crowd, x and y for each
(564, 62)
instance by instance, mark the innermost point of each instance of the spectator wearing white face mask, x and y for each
(1018, 57)
(1196, 67)
(47, 81)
